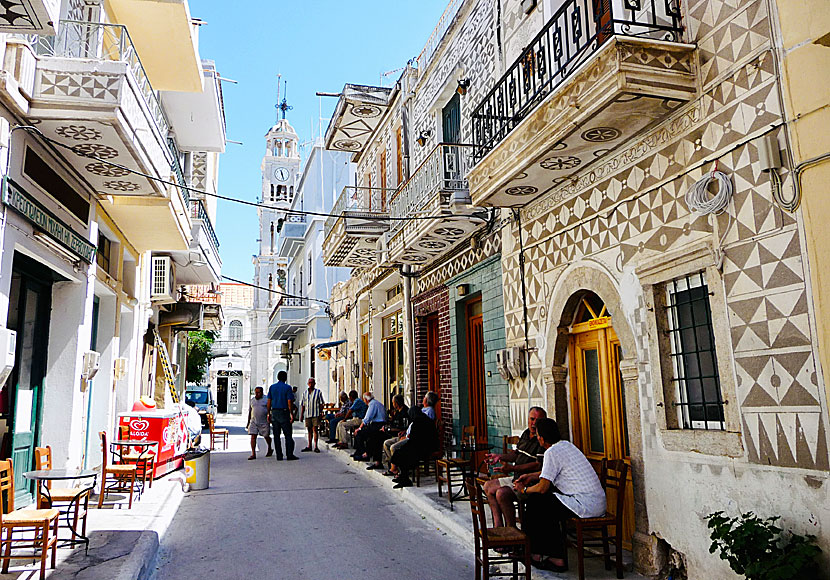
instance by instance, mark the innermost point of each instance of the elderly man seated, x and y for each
(335, 418)
(372, 423)
(524, 459)
(396, 424)
(393, 444)
(354, 417)
(566, 487)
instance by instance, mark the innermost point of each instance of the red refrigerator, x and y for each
(166, 427)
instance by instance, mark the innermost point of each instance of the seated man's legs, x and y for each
(387, 450)
(342, 430)
(542, 523)
(333, 423)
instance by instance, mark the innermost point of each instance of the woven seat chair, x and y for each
(514, 543)
(123, 476)
(38, 527)
(72, 498)
(216, 435)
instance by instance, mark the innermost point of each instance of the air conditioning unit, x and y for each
(511, 363)
(163, 283)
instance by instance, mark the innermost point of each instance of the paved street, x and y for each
(311, 518)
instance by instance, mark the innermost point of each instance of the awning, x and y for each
(328, 344)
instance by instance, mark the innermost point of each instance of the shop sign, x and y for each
(16, 198)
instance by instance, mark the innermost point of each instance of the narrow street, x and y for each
(310, 518)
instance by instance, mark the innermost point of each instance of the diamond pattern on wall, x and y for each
(98, 86)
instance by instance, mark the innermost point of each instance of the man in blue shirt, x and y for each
(375, 419)
(354, 417)
(280, 409)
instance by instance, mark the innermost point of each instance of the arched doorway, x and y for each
(597, 394)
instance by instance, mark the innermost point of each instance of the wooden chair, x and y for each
(40, 523)
(514, 543)
(123, 475)
(447, 467)
(76, 498)
(220, 435)
(144, 461)
(508, 443)
(423, 467)
(613, 475)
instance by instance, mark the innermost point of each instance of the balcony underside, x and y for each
(352, 242)
(627, 86)
(287, 322)
(93, 107)
(420, 242)
(359, 112)
(169, 230)
(292, 239)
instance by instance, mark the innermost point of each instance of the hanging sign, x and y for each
(16, 198)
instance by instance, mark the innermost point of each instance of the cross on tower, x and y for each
(282, 105)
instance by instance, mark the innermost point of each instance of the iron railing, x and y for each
(176, 167)
(100, 41)
(295, 218)
(357, 199)
(574, 33)
(438, 33)
(444, 171)
(198, 211)
(292, 301)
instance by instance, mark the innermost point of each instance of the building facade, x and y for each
(300, 318)
(571, 257)
(97, 146)
(230, 363)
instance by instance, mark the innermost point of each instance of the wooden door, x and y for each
(364, 363)
(597, 398)
(475, 375)
(451, 120)
(383, 173)
(29, 306)
(222, 395)
(433, 360)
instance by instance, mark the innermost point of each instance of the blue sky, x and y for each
(317, 45)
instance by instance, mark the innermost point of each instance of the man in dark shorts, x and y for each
(524, 459)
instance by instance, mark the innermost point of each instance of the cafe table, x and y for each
(44, 476)
(467, 449)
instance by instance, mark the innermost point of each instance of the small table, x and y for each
(466, 449)
(43, 476)
(145, 444)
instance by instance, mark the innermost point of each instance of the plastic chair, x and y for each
(39, 522)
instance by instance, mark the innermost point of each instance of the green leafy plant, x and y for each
(760, 550)
(198, 354)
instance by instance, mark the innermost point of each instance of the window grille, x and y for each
(692, 350)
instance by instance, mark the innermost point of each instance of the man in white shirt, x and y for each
(311, 411)
(258, 422)
(566, 487)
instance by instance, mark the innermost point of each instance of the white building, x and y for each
(230, 365)
(301, 318)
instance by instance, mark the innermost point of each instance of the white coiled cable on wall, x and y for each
(701, 202)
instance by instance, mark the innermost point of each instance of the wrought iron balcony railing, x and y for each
(292, 301)
(100, 41)
(176, 166)
(443, 172)
(357, 199)
(295, 218)
(575, 32)
(198, 211)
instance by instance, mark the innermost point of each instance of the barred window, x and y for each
(695, 376)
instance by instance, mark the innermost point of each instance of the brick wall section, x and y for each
(434, 301)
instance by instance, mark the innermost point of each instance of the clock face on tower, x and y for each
(281, 174)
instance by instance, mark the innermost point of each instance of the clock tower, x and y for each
(280, 174)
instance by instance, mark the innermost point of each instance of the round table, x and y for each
(467, 449)
(43, 476)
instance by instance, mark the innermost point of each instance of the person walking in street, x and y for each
(258, 422)
(311, 410)
(280, 409)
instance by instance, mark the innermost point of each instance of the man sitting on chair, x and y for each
(524, 459)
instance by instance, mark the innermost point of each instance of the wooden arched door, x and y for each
(600, 429)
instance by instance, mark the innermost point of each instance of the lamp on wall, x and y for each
(462, 289)
(463, 85)
(422, 137)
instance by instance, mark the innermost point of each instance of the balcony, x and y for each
(437, 196)
(91, 93)
(288, 318)
(596, 75)
(207, 267)
(359, 111)
(292, 235)
(230, 348)
(359, 218)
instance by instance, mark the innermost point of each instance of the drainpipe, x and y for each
(409, 329)
(517, 213)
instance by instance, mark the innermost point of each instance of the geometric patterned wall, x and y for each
(630, 204)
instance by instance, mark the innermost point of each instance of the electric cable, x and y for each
(278, 292)
(701, 202)
(73, 149)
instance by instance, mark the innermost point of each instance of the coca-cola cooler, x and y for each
(166, 427)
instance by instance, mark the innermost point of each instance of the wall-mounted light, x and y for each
(422, 137)
(462, 290)
(463, 85)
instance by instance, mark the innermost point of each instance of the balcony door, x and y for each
(433, 357)
(451, 120)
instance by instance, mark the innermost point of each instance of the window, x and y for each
(104, 253)
(382, 169)
(694, 363)
(235, 330)
(309, 269)
(394, 291)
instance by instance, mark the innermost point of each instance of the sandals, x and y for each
(546, 564)
(251, 457)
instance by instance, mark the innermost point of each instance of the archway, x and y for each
(567, 309)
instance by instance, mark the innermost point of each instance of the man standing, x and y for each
(280, 409)
(311, 409)
(258, 422)
(524, 459)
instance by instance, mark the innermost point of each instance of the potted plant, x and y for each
(759, 550)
